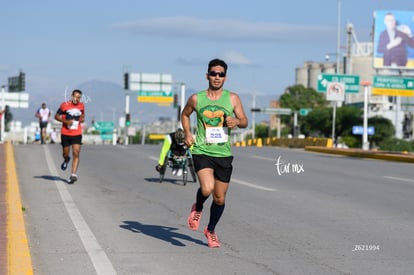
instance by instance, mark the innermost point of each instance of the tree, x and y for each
(384, 130)
(346, 118)
(297, 97)
(319, 121)
(262, 131)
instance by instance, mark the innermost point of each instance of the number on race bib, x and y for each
(216, 134)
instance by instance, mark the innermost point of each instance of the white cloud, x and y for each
(226, 29)
(232, 57)
(4, 68)
(235, 58)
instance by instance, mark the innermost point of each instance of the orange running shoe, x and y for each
(212, 238)
(193, 220)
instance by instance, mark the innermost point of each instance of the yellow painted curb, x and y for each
(18, 254)
(362, 154)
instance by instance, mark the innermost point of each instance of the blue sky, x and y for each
(61, 44)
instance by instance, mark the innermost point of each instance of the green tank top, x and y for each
(213, 136)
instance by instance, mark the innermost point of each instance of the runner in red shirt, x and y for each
(71, 113)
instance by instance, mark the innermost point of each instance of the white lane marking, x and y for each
(252, 185)
(400, 179)
(95, 252)
(265, 158)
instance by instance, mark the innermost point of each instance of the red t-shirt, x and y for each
(69, 111)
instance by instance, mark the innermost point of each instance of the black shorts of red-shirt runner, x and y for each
(70, 140)
(222, 166)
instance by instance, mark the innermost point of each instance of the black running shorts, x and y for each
(43, 125)
(222, 166)
(69, 140)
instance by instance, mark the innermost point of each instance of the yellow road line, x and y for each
(18, 254)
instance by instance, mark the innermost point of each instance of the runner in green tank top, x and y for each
(218, 111)
(212, 137)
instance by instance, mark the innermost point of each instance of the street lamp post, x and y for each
(365, 143)
(338, 42)
(338, 36)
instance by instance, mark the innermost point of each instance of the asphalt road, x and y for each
(287, 212)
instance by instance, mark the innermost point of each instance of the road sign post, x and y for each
(335, 86)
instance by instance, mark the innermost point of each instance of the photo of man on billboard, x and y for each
(394, 41)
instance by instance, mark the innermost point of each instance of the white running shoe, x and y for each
(72, 179)
(179, 172)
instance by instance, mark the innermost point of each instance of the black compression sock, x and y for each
(215, 214)
(200, 200)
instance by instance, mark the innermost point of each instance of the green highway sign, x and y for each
(393, 86)
(104, 126)
(155, 93)
(304, 111)
(351, 82)
(107, 135)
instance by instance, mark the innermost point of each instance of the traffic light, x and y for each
(126, 81)
(175, 100)
(22, 81)
(255, 110)
(8, 117)
(128, 120)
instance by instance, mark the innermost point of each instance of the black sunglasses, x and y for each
(213, 73)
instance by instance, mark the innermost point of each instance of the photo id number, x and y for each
(366, 247)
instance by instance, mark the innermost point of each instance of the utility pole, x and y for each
(127, 114)
(254, 117)
(338, 49)
(365, 143)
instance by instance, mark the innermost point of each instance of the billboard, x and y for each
(394, 40)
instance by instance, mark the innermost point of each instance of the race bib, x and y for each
(217, 134)
(74, 125)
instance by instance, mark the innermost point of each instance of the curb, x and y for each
(400, 157)
(18, 253)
